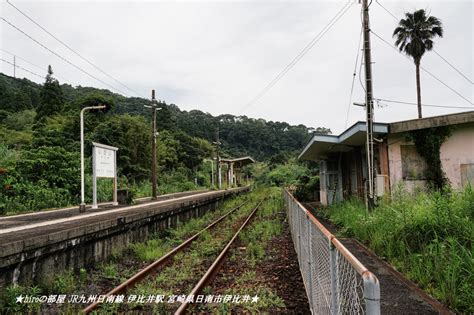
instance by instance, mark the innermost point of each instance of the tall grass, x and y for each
(427, 236)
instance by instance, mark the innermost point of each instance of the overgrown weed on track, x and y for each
(121, 265)
(180, 277)
(252, 249)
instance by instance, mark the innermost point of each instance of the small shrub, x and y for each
(428, 236)
(64, 283)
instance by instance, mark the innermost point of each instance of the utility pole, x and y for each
(369, 108)
(218, 160)
(212, 174)
(154, 108)
(14, 66)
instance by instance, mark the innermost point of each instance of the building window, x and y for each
(467, 174)
(413, 165)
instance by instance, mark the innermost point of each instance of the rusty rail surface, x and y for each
(211, 272)
(336, 282)
(132, 281)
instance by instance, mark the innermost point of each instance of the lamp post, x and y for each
(212, 170)
(82, 206)
(217, 143)
(212, 173)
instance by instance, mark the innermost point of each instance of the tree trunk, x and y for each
(418, 87)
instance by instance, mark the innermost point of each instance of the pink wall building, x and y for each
(343, 163)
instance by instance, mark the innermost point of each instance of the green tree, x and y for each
(52, 165)
(414, 36)
(57, 130)
(52, 98)
(132, 136)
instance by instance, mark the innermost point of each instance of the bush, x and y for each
(282, 175)
(54, 166)
(428, 236)
(27, 196)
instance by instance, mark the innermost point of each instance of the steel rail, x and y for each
(158, 263)
(210, 273)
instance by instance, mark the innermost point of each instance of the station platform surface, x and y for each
(21, 232)
(13, 221)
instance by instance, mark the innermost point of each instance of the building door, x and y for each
(333, 181)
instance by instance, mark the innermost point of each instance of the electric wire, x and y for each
(20, 58)
(423, 68)
(300, 55)
(36, 66)
(72, 50)
(362, 58)
(61, 57)
(353, 77)
(433, 50)
(19, 67)
(427, 105)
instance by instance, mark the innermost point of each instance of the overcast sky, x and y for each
(216, 56)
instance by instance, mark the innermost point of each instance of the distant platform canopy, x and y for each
(320, 146)
(239, 162)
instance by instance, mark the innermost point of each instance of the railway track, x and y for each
(165, 259)
(212, 271)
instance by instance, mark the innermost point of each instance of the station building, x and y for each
(342, 158)
(234, 175)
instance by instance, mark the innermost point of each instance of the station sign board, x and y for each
(104, 162)
(104, 165)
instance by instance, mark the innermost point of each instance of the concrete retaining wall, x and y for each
(37, 260)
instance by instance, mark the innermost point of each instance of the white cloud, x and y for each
(216, 56)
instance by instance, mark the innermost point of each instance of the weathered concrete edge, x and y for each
(10, 252)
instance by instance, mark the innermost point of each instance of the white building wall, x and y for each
(395, 141)
(458, 149)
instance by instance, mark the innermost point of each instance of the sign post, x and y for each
(104, 165)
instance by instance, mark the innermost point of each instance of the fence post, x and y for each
(310, 256)
(298, 220)
(371, 294)
(333, 271)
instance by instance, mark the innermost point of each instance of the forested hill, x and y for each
(239, 135)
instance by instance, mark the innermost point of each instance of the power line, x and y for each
(35, 65)
(62, 58)
(353, 77)
(438, 54)
(18, 57)
(426, 105)
(19, 67)
(362, 57)
(424, 69)
(300, 55)
(71, 49)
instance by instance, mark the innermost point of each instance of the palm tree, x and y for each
(414, 36)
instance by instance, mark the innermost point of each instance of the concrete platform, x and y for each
(35, 245)
(14, 221)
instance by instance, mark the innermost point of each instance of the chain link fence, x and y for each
(335, 281)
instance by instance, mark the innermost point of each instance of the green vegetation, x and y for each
(118, 267)
(288, 172)
(428, 145)
(187, 267)
(267, 224)
(8, 297)
(39, 143)
(427, 236)
(414, 36)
